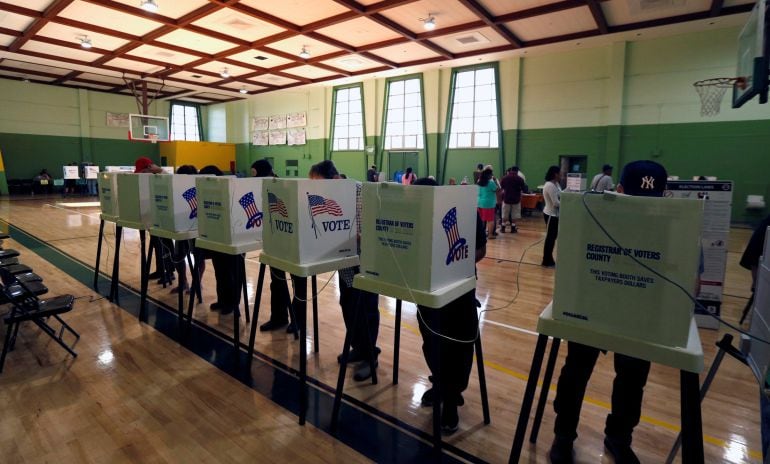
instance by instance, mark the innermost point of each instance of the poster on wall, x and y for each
(717, 208)
(296, 119)
(260, 138)
(260, 123)
(116, 119)
(278, 121)
(296, 136)
(277, 137)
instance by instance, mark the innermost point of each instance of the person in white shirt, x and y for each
(551, 192)
(603, 180)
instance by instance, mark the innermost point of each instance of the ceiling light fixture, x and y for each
(149, 5)
(85, 42)
(243, 90)
(304, 54)
(430, 23)
(225, 74)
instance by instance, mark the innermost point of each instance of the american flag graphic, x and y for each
(320, 205)
(192, 201)
(452, 233)
(254, 214)
(276, 205)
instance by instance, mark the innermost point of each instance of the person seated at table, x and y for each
(452, 330)
(639, 178)
(42, 182)
(364, 334)
(280, 301)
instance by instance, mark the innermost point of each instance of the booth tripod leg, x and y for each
(241, 279)
(314, 288)
(529, 396)
(396, 342)
(342, 373)
(482, 380)
(257, 302)
(179, 258)
(245, 290)
(98, 255)
(547, 376)
(194, 285)
(116, 266)
(725, 347)
(437, 388)
(300, 312)
(144, 272)
(692, 426)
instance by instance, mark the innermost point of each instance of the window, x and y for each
(185, 122)
(348, 119)
(474, 111)
(404, 125)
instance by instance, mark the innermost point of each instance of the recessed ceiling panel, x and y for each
(35, 67)
(554, 24)
(259, 58)
(122, 63)
(501, 7)
(298, 12)
(161, 54)
(248, 87)
(195, 41)
(293, 46)
(272, 79)
(195, 77)
(447, 13)
(238, 25)
(360, 31)
(171, 9)
(353, 63)
(403, 53)
(470, 40)
(6, 40)
(113, 80)
(218, 67)
(71, 34)
(59, 51)
(633, 11)
(38, 5)
(109, 18)
(90, 85)
(14, 21)
(310, 72)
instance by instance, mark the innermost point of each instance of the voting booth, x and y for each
(70, 172)
(230, 210)
(174, 203)
(418, 241)
(599, 286)
(92, 172)
(108, 195)
(134, 200)
(309, 221)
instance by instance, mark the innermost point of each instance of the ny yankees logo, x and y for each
(648, 183)
(458, 247)
(252, 212)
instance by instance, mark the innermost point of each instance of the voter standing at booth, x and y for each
(639, 178)
(280, 301)
(163, 247)
(451, 329)
(364, 334)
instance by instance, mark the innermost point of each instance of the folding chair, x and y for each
(26, 306)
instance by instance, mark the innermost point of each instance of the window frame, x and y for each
(384, 134)
(199, 120)
(450, 109)
(333, 119)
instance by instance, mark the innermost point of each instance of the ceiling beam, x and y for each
(54, 9)
(489, 20)
(20, 10)
(541, 10)
(716, 7)
(598, 14)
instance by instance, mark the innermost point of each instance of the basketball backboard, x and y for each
(144, 128)
(753, 58)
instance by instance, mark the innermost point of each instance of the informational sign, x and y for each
(277, 137)
(599, 286)
(92, 172)
(717, 197)
(296, 119)
(309, 221)
(278, 121)
(260, 123)
(134, 199)
(575, 182)
(174, 203)
(71, 172)
(116, 119)
(119, 168)
(260, 138)
(418, 237)
(295, 136)
(231, 210)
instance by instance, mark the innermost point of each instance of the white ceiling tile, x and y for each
(89, 85)
(353, 63)
(238, 25)
(249, 56)
(447, 13)
(161, 54)
(14, 21)
(272, 79)
(402, 53)
(298, 12)
(554, 24)
(195, 41)
(35, 67)
(38, 5)
(190, 76)
(501, 7)
(470, 40)
(71, 34)
(171, 9)
(310, 72)
(218, 66)
(293, 46)
(59, 51)
(132, 65)
(6, 40)
(360, 31)
(633, 11)
(109, 18)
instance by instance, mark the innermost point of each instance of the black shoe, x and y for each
(450, 420)
(427, 399)
(154, 275)
(216, 306)
(226, 309)
(364, 371)
(622, 453)
(272, 325)
(291, 328)
(355, 356)
(514, 229)
(548, 264)
(561, 451)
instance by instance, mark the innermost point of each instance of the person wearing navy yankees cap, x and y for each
(639, 178)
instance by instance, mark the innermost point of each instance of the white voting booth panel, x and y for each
(231, 210)
(134, 200)
(418, 237)
(92, 172)
(599, 285)
(174, 202)
(108, 194)
(70, 172)
(309, 221)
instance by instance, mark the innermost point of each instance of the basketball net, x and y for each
(153, 138)
(711, 92)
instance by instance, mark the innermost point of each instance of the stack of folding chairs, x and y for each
(20, 290)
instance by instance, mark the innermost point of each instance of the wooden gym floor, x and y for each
(135, 395)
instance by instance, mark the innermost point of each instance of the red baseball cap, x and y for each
(141, 164)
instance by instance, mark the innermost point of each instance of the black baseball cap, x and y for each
(263, 168)
(606, 167)
(644, 178)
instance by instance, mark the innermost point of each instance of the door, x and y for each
(398, 161)
(572, 164)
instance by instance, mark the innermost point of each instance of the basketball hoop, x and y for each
(711, 92)
(153, 138)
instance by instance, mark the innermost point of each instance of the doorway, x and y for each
(398, 161)
(571, 164)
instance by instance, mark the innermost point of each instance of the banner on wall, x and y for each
(278, 121)
(277, 137)
(298, 119)
(260, 123)
(296, 136)
(260, 138)
(116, 119)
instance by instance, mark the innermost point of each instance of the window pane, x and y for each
(485, 76)
(464, 110)
(481, 139)
(396, 101)
(464, 94)
(413, 128)
(397, 142)
(341, 132)
(474, 114)
(341, 120)
(485, 92)
(412, 86)
(493, 142)
(343, 95)
(462, 125)
(355, 119)
(410, 141)
(397, 88)
(356, 131)
(412, 100)
(396, 128)
(465, 79)
(356, 144)
(413, 114)
(485, 108)
(453, 140)
(342, 108)
(464, 140)
(355, 93)
(484, 124)
(420, 142)
(387, 143)
(341, 144)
